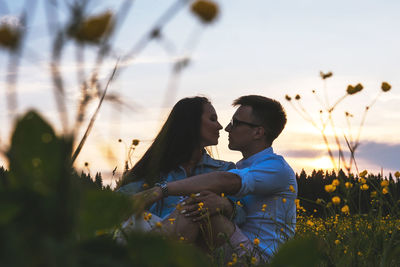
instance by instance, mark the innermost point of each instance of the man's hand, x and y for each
(145, 199)
(204, 204)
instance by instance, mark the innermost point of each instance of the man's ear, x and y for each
(259, 133)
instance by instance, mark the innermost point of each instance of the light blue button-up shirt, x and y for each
(164, 207)
(266, 179)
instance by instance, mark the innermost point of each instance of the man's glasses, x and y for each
(235, 122)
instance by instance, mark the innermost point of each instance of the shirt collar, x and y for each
(207, 160)
(243, 163)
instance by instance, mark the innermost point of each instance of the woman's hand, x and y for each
(205, 204)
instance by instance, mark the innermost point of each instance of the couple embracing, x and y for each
(248, 208)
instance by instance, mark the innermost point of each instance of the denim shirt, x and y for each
(267, 179)
(164, 207)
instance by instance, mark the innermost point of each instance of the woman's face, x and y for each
(210, 127)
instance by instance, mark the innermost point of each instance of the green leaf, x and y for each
(298, 253)
(101, 210)
(38, 159)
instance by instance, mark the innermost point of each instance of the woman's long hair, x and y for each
(175, 143)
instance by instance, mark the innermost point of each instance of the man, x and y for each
(264, 181)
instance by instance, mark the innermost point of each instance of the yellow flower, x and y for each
(363, 173)
(256, 241)
(222, 195)
(291, 188)
(373, 194)
(310, 223)
(171, 220)
(229, 264)
(364, 187)
(385, 190)
(206, 10)
(337, 242)
(145, 185)
(201, 204)
(284, 200)
(297, 202)
(348, 185)
(181, 238)
(147, 216)
(330, 188)
(158, 224)
(239, 203)
(363, 181)
(359, 253)
(234, 258)
(336, 200)
(264, 206)
(397, 174)
(385, 87)
(335, 182)
(241, 245)
(385, 183)
(345, 209)
(94, 28)
(253, 260)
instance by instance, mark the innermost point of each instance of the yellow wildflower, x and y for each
(201, 204)
(222, 195)
(335, 182)
(147, 216)
(359, 253)
(264, 206)
(330, 188)
(256, 241)
(234, 258)
(181, 238)
(229, 264)
(385, 190)
(337, 242)
(239, 203)
(336, 200)
(291, 188)
(373, 194)
(171, 220)
(348, 185)
(310, 223)
(363, 173)
(297, 202)
(397, 174)
(284, 200)
(253, 260)
(158, 224)
(385, 183)
(345, 209)
(385, 86)
(145, 185)
(241, 245)
(206, 10)
(363, 181)
(364, 187)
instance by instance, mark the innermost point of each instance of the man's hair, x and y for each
(268, 112)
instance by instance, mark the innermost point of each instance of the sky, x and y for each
(271, 48)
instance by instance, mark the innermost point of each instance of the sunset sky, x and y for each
(271, 48)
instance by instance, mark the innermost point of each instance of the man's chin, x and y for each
(232, 147)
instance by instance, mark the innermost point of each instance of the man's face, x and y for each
(242, 129)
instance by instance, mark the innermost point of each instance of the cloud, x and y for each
(381, 154)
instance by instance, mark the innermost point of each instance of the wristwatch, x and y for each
(164, 188)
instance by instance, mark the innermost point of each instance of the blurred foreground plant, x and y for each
(326, 118)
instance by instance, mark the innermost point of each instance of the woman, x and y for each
(178, 151)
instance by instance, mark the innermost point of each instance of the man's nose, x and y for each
(228, 127)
